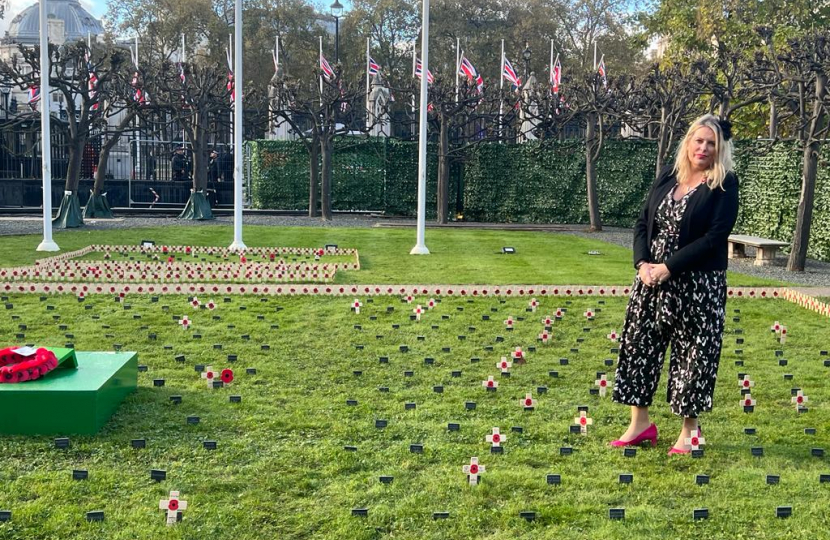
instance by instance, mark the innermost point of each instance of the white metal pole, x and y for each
(457, 64)
(501, 87)
(414, 70)
(139, 163)
(182, 61)
(552, 65)
(238, 244)
(47, 244)
(368, 122)
(595, 55)
(420, 245)
(320, 63)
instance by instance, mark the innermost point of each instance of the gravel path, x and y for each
(817, 274)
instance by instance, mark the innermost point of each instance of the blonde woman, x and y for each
(678, 297)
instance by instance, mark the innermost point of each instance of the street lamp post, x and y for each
(526, 58)
(337, 12)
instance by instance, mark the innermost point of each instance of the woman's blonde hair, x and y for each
(721, 165)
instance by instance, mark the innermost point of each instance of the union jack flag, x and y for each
(230, 85)
(510, 74)
(419, 70)
(466, 68)
(93, 83)
(601, 71)
(328, 73)
(374, 68)
(34, 96)
(183, 79)
(556, 75)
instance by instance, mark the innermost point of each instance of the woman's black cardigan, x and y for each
(709, 218)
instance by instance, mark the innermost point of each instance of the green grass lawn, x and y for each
(281, 471)
(457, 256)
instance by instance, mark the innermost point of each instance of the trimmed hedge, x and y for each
(532, 183)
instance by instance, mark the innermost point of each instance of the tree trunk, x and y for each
(773, 119)
(314, 179)
(73, 169)
(662, 143)
(812, 147)
(198, 206)
(69, 212)
(98, 206)
(801, 237)
(325, 195)
(591, 143)
(443, 172)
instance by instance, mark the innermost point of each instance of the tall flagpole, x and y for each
(319, 63)
(184, 144)
(47, 244)
(414, 70)
(139, 165)
(238, 244)
(457, 65)
(368, 122)
(595, 55)
(501, 88)
(420, 245)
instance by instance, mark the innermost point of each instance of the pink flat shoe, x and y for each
(648, 434)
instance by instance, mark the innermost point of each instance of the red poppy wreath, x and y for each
(15, 367)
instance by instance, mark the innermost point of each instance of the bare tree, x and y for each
(802, 68)
(319, 114)
(195, 96)
(71, 67)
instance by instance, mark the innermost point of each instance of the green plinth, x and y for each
(76, 398)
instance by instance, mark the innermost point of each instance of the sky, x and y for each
(96, 7)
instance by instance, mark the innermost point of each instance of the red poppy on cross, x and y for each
(227, 377)
(208, 374)
(747, 401)
(185, 322)
(431, 303)
(195, 303)
(746, 382)
(495, 438)
(490, 383)
(559, 313)
(547, 321)
(418, 311)
(583, 422)
(544, 337)
(508, 322)
(211, 305)
(533, 305)
(695, 440)
(602, 382)
(783, 337)
(503, 365)
(527, 402)
(613, 336)
(589, 314)
(799, 399)
(172, 505)
(473, 470)
(356, 305)
(518, 356)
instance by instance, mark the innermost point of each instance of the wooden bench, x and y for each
(765, 249)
